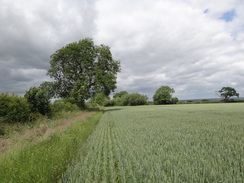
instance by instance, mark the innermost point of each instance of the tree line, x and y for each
(81, 72)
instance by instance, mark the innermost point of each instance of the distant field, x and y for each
(175, 143)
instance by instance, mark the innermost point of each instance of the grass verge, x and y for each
(46, 161)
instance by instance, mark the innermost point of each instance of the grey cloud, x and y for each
(30, 31)
(159, 43)
(187, 50)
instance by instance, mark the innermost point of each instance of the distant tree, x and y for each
(163, 95)
(39, 100)
(82, 69)
(226, 92)
(120, 94)
(175, 100)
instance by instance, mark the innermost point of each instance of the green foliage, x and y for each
(62, 105)
(81, 70)
(39, 100)
(163, 95)
(109, 103)
(118, 101)
(2, 129)
(49, 87)
(46, 161)
(123, 98)
(134, 99)
(174, 100)
(226, 92)
(13, 108)
(172, 144)
(120, 94)
(198, 102)
(91, 106)
(101, 99)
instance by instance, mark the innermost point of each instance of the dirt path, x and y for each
(39, 134)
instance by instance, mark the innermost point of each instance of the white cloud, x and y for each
(30, 31)
(175, 42)
(160, 42)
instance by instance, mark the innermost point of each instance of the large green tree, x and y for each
(226, 92)
(163, 95)
(81, 70)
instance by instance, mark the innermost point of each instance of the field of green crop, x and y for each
(175, 143)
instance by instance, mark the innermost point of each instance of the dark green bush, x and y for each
(39, 101)
(13, 108)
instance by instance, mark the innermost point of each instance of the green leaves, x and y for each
(226, 92)
(82, 69)
(13, 108)
(39, 101)
(163, 95)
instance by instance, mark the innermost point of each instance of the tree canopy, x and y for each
(120, 94)
(81, 70)
(163, 95)
(134, 99)
(226, 92)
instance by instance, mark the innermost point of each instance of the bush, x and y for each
(108, 103)
(101, 99)
(118, 101)
(13, 108)
(61, 105)
(134, 99)
(91, 106)
(174, 100)
(39, 101)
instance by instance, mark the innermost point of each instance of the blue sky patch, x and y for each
(228, 16)
(206, 11)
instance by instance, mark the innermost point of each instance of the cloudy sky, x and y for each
(194, 46)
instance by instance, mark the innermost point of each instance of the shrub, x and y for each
(91, 106)
(174, 100)
(118, 101)
(101, 99)
(109, 103)
(134, 99)
(39, 101)
(13, 108)
(61, 105)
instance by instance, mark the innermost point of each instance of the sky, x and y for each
(193, 46)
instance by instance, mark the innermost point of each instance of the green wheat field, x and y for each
(171, 143)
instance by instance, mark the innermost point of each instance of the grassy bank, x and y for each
(45, 161)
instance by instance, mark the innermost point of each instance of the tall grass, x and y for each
(172, 144)
(45, 161)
